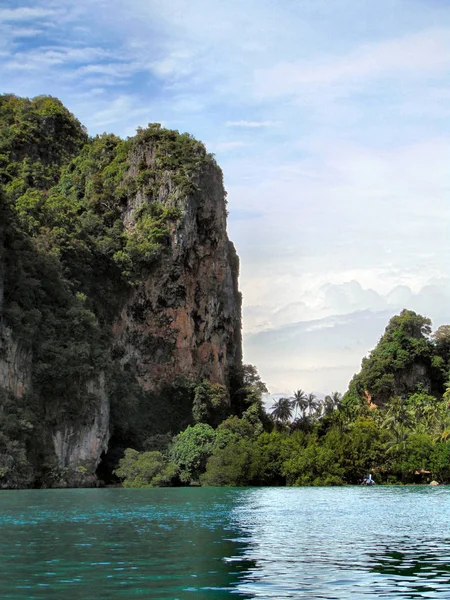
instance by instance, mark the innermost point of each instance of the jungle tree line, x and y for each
(304, 408)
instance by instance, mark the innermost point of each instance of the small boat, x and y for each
(368, 480)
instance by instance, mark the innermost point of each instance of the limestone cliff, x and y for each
(184, 320)
(79, 448)
(118, 290)
(15, 364)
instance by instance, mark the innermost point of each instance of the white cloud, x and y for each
(111, 113)
(227, 146)
(416, 55)
(175, 64)
(251, 124)
(25, 13)
(320, 348)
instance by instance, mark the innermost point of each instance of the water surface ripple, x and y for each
(315, 543)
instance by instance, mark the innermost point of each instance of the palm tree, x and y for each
(399, 416)
(319, 410)
(345, 413)
(282, 410)
(332, 402)
(312, 403)
(441, 425)
(399, 442)
(300, 402)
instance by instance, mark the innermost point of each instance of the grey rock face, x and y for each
(81, 448)
(15, 364)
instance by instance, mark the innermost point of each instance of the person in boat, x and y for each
(368, 480)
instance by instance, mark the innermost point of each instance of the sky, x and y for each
(331, 122)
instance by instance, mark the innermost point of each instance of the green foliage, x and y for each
(54, 324)
(180, 155)
(271, 450)
(440, 462)
(231, 465)
(390, 366)
(441, 360)
(362, 449)
(211, 403)
(191, 450)
(246, 388)
(37, 137)
(405, 442)
(145, 469)
(316, 464)
(254, 418)
(235, 428)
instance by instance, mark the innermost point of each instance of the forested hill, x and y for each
(118, 292)
(406, 358)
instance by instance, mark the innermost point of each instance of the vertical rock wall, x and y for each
(15, 364)
(185, 318)
(79, 449)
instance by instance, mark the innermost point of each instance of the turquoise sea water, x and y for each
(327, 543)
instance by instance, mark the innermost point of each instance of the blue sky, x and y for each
(331, 122)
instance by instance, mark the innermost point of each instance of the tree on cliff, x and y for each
(441, 360)
(401, 360)
(211, 403)
(246, 387)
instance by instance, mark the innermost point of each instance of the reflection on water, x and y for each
(422, 566)
(327, 543)
(347, 543)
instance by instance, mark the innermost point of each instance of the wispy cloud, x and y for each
(121, 104)
(56, 56)
(26, 13)
(175, 64)
(227, 146)
(251, 124)
(416, 55)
